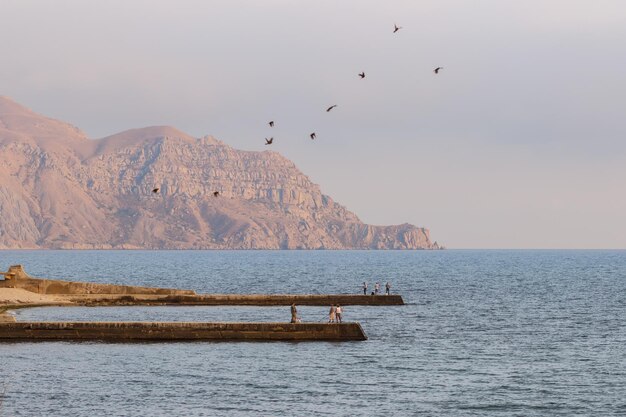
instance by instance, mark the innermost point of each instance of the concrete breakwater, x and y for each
(22, 290)
(178, 331)
(6, 318)
(91, 294)
(237, 300)
(16, 277)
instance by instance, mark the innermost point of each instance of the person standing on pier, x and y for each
(364, 288)
(332, 314)
(387, 288)
(338, 312)
(294, 313)
(376, 288)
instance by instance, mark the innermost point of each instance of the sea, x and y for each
(483, 333)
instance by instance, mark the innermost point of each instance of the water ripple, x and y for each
(502, 333)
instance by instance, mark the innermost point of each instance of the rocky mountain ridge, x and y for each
(60, 189)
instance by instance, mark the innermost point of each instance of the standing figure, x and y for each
(377, 288)
(387, 288)
(332, 314)
(294, 313)
(364, 288)
(339, 311)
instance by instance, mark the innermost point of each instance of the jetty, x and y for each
(47, 292)
(178, 331)
(93, 294)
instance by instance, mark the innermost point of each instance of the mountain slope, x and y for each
(60, 189)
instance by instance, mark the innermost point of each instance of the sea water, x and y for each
(484, 333)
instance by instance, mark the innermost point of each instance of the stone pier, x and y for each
(91, 294)
(178, 331)
(28, 291)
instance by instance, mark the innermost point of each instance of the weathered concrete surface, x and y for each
(57, 287)
(16, 277)
(15, 272)
(85, 293)
(237, 299)
(178, 331)
(6, 318)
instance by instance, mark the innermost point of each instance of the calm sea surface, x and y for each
(485, 333)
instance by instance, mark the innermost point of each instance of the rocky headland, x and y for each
(60, 189)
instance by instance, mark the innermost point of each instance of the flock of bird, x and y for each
(313, 135)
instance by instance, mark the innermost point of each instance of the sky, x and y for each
(519, 142)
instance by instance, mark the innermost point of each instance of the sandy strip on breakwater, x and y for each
(18, 298)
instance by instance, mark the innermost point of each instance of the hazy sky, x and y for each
(520, 142)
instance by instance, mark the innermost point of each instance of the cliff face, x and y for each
(60, 189)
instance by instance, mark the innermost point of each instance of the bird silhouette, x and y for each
(269, 141)
(155, 190)
(331, 107)
(396, 28)
(436, 70)
(313, 136)
(216, 193)
(362, 75)
(271, 123)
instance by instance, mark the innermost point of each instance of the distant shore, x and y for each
(122, 248)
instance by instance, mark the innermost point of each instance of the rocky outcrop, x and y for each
(60, 189)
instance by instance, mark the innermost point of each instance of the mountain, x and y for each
(60, 189)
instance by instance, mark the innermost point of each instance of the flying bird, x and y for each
(436, 70)
(216, 193)
(362, 75)
(269, 141)
(331, 107)
(271, 123)
(396, 28)
(155, 190)
(313, 135)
